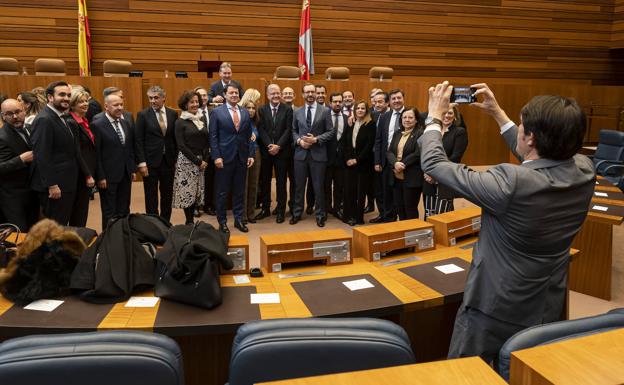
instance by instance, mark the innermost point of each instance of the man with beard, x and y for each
(56, 156)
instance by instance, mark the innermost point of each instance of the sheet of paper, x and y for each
(600, 208)
(43, 305)
(240, 279)
(449, 269)
(600, 194)
(358, 284)
(265, 298)
(142, 302)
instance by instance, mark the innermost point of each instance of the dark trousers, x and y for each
(60, 209)
(334, 187)
(22, 210)
(115, 200)
(406, 200)
(355, 193)
(309, 196)
(370, 187)
(477, 334)
(159, 178)
(80, 210)
(378, 188)
(231, 178)
(209, 186)
(389, 212)
(316, 172)
(269, 165)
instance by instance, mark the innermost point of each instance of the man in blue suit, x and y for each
(232, 152)
(312, 130)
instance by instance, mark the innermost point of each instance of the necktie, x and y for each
(274, 112)
(337, 126)
(119, 132)
(23, 133)
(397, 118)
(309, 117)
(64, 119)
(349, 111)
(205, 117)
(161, 122)
(235, 118)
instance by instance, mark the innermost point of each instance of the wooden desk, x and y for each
(465, 371)
(595, 359)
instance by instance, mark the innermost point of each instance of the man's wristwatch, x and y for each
(431, 120)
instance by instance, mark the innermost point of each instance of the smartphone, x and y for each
(463, 95)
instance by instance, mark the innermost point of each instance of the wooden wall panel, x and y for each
(530, 39)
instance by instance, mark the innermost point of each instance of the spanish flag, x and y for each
(306, 59)
(84, 39)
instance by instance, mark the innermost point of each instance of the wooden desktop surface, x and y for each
(595, 359)
(465, 371)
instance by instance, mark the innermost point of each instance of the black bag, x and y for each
(187, 267)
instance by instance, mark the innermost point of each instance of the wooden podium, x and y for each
(333, 247)
(374, 241)
(456, 224)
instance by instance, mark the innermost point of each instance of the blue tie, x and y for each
(309, 117)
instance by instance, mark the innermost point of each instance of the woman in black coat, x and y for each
(85, 140)
(438, 198)
(357, 147)
(404, 157)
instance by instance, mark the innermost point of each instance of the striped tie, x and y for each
(119, 132)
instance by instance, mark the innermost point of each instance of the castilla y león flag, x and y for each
(306, 59)
(84, 40)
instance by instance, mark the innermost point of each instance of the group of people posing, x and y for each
(335, 153)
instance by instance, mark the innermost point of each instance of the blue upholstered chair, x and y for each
(288, 348)
(555, 332)
(609, 156)
(99, 358)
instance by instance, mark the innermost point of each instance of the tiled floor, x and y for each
(580, 305)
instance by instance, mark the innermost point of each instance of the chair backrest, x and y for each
(117, 68)
(380, 73)
(287, 348)
(8, 66)
(337, 73)
(50, 67)
(610, 146)
(287, 73)
(99, 358)
(557, 331)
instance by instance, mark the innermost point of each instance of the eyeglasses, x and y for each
(12, 113)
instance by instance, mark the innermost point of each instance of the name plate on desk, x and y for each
(375, 241)
(238, 252)
(456, 224)
(332, 247)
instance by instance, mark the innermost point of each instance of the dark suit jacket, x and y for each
(381, 138)
(56, 153)
(363, 151)
(335, 152)
(86, 149)
(322, 128)
(126, 115)
(275, 132)
(192, 143)
(413, 174)
(14, 173)
(114, 160)
(150, 141)
(530, 215)
(225, 141)
(216, 89)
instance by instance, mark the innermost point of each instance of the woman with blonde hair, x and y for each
(250, 94)
(357, 148)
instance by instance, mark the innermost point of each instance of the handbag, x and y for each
(187, 267)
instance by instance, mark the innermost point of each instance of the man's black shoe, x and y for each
(241, 226)
(320, 222)
(378, 219)
(224, 228)
(351, 222)
(280, 218)
(294, 220)
(262, 214)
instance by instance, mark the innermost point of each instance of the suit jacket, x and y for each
(322, 128)
(150, 141)
(363, 151)
(14, 173)
(225, 141)
(335, 150)
(192, 143)
(127, 115)
(216, 89)
(56, 153)
(86, 149)
(413, 174)
(114, 160)
(531, 213)
(275, 131)
(381, 138)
